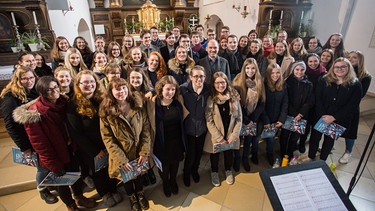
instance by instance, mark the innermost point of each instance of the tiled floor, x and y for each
(247, 193)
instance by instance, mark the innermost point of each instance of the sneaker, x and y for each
(215, 179)
(345, 158)
(48, 197)
(305, 160)
(117, 197)
(229, 177)
(143, 201)
(108, 200)
(82, 201)
(89, 182)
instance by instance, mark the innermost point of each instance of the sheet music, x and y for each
(307, 190)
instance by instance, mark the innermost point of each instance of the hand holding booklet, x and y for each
(269, 132)
(137, 169)
(332, 130)
(29, 160)
(101, 162)
(219, 147)
(295, 126)
(69, 178)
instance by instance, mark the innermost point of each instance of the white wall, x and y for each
(67, 25)
(329, 18)
(230, 17)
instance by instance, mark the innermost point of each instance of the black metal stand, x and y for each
(354, 180)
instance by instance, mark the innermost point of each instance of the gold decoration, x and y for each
(149, 15)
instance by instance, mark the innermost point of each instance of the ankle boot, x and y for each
(142, 200)
(134, 204)
(254, 158)
(48, 197)
(246, 165)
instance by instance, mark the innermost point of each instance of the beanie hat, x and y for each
(298, 63)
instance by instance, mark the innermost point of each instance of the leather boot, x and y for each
(48, 197)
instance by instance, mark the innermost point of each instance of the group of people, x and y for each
(168, 101)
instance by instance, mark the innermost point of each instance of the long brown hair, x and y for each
(85, 107)
(233, 94)
(15, 86)
(55, 50)
(362, 70)
(162, 82)
(279, 85)
(239, 82)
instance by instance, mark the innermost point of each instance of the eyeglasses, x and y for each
(116, 73)
(27, 79)
(55, 88)
(185, 40)
(196, 77)
(340, 67)
(211, 35)
(114, 49)
(85, 83)
(220, 83)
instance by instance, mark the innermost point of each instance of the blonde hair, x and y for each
(82, 65)
(286, 52)
(301, 51)
(279, 85)
(349, 78)
(362, 71)
(15, 86)
(239, 82)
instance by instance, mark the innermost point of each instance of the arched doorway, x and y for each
(215, 23)
(84, 31)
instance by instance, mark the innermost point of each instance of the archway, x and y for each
(84, 31)
(215, 23)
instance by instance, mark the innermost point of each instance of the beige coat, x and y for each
(216, 128)
(125, 140)
(285, 65)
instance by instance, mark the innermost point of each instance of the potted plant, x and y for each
(32, 40)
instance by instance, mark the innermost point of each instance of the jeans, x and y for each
(40, 175)
(349, 144)
(248, 140)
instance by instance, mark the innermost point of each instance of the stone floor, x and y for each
(17, 183)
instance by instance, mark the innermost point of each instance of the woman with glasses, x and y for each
(84, 127)
(44, 121)
(313, 46)
(224, 120)
(337, 95)
(20, 90)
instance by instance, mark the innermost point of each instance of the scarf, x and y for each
(251, 96)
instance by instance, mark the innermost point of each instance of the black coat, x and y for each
(339, 101)
(16, 130)
(195, 122)
(235, 60)
(165, 54)
(276, 106)
(300, 96)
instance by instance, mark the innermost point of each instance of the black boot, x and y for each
(270, 158)
(151, 176)
(236, 164)
(142, 200)
(134, 204)
(47, 196)
(186, 179)
(254, 158)
(246, 165)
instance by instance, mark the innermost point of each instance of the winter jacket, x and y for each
(276, 106)
(180, 72)
(300, 96)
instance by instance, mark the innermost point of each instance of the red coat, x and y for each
(45, 125)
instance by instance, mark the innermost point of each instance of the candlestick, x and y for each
(244, 8)
(14, 19)
(311, 15)
(281, 16)
(271, 14)
(35, 20)
(302, 15)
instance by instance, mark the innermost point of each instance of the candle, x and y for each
(14, 19)
(35, 20)
(281, 16)
(244, 8)
(271, 14)
(311, 15)
(302, 15)
(133, 19)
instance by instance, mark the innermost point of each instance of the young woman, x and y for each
(267, 44)
(166, 115)
(84, 128)
(314, 71)
(276, 104)
(111, 71)
(281, 57)
(81, 44)
(223, 44)
(195, 93)
(41, 68)
(256, 52)
(65, 80)
(137, 59)
(357, 60)
(338, 94)
(125, 130)
(44, 121)
(114, 53)
(74, 61)
(18, 91)
(300, 101)
(297, 49)
(58, 51)
(99, 63)
(335, 42)
(127, 43)
(252, 35)
(243, 45)
(314, 46)
(27, 60)
(180, 65)
(250, 85)
(156, 68)
(224, 120)
(326, 58)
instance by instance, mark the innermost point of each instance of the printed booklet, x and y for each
(295, 126)
(136, 170)
(332, 130)
(218, 147)
(69, 178)
(20, 158)
(249, 130)
(269, 132)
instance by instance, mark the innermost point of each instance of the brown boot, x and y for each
(142, 200)
(134, 204)
(82, 201)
